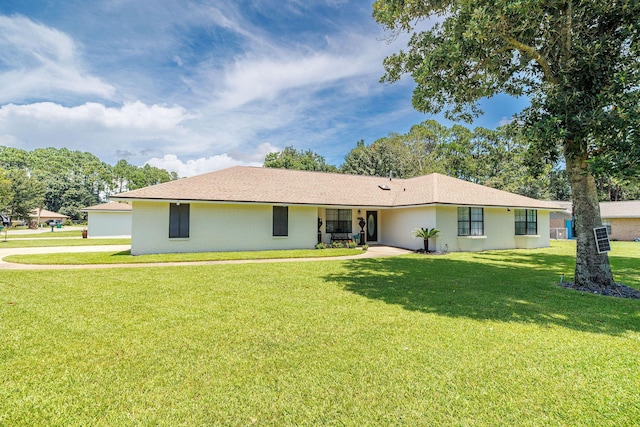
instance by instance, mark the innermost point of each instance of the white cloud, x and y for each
(257, 155)
(9, 140)
(264, 73)
(506, 120)
(41, 62)
(134, 115)
(134, 131)
(265, 78)
(172, 163)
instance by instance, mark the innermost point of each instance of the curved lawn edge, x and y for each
(125, 257)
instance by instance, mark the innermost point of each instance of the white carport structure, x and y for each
(109, 220)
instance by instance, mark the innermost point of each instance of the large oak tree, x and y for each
(577, 61)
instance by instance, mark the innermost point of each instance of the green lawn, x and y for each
(57, 238)
(46, 234)
(462, 339)
(125, 257)
(39, 243)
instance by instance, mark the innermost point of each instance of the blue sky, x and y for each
(194, 85)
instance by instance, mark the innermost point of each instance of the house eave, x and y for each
(251, 202)
(106, 210)
(489, 206)
(329, 205)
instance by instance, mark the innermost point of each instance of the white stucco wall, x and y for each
(499, 231)
(220, 227)
(225, 227)
(398, 225)
(108, 224)
(499, 228)
(447, 223)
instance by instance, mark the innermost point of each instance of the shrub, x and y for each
(351, 244)
(336, 245)
(321, 245)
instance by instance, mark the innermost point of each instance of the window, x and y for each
(280, 221)
(526, 222)
(178, 220)
(338, 221)
(607, 223)
(470, 221)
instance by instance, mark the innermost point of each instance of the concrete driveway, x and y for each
(373, 252)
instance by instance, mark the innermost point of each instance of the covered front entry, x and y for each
(372, 226)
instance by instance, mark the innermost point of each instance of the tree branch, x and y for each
(533, 53)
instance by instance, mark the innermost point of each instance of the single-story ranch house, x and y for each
(561, 222)
(254, 208)
(108, 219)
(41, 216)
(622, 219)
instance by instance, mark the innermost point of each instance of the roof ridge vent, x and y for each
(384, 187)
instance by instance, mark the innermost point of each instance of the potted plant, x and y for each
(425, 234)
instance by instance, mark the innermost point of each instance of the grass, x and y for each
(40, 243)
(463, 339)
(43, 235)
(125, 257)
(57, 238)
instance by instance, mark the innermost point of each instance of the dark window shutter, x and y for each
(178, 220)
(280, 221)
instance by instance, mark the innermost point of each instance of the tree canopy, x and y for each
(495, 158)
(577, 61)
(27, 194)
(65, 181)
(291, 158)
(6, 193)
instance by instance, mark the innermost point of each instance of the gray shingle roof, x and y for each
(280, 186)
(110, 206)
(43, 213)
(627, 209)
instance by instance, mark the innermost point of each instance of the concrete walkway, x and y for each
(373, 252)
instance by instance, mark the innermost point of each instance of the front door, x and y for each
(372, 226)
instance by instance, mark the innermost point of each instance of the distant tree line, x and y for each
(499, 158)
(290, 158)
(65, 181)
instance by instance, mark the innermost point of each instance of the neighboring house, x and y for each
(109, 219)
(253, 208)
(622, 220)
(43, 216)
(561, 222)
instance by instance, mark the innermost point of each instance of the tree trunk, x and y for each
(592, 269)
(426, 245)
